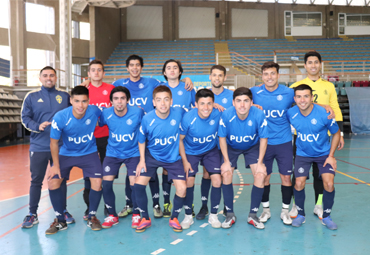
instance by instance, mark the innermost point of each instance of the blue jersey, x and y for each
(243, 134)
(141, 91)
(123, 132)
(200, 134)
(77, 134)
(162, 135)
(312, 131)
(275, 105)
(181, 97)
(225, 98)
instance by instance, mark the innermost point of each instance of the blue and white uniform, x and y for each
(225, 98)
(181, 97)
(141, 91)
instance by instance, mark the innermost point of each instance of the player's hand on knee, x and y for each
(141, 168)
(226, 167)
(187, 168)
(261, 169)
(331, 161)
(54, 170)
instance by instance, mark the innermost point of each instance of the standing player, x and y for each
(242, 130)
(324, 94)
(75, 125)
(38, 109)
(159, 132)
(172, 71)
(275, 100)
(123, 122)
(99, 92)
(198, 143)
(224, 98)
(313, 145)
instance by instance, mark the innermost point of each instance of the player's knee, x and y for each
(286, 181)
(299, 184)
(329, 186)
(260, 177)
(227, 177)
(181, 190)
(205, 174)
(216, 183)
(54, 184)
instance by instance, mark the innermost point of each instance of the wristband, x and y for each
(341, 134)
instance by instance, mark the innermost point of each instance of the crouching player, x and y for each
(243, 130)
(76, 125)
(123, 122)
(313, 146)
(198, 143)
(160, 131)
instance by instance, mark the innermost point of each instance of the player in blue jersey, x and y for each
(224, 98)
(198, 143)
(141, 89)
(75, 125)
(275, 100)
(313, 145)
(243, 130)
(123, 122)
(159, 140)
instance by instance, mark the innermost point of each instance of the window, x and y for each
(4, 13)
(40, 19)
(36, 60)
(84, 31)
(306, 19)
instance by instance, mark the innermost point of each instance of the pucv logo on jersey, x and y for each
(137, 101)
(273, 113)
(207, 139)
(124, 138)
(241, 139)
(308, 137)
(166, 140)
(83, 139)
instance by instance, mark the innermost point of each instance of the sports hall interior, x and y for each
(238, 34)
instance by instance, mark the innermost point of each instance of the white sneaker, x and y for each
(318, 211)
(213, 220)
(266, 214)
(187, 221)
(256, 223)
(284, 216)
(293, 212)
(229, 221)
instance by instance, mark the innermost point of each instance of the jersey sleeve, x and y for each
(333, 103)
(262, 126)
(56, 126)
(331, 125)
(27, 116)
(101, 120)
(143, 132)
(222, 131)
(156, 83)
(184, 125)
(193, 97)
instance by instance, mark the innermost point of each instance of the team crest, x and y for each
(279, 97)
(301, 170)
(87, 122)
(180, 93)
(325, 92)
(105, 92)
(212, 122)
(107, 169)
(173, 122)
(59, 99)
(250, 123)
(141, 86)
(129, 122)
(224, 100)
(313, 121)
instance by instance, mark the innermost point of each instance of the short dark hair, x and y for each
(170, 61)
(303, 87)
(48, 68)
(243, 91)
(80, 90)
(270, 64)
(161, 88)
(218, 67)
(120, 89)
(96, 62)
(312, 54)
(202, 93)
(134, 57)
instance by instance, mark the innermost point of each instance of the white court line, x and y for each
(191, 233)
(157, 251)
(204, 225)
(240, 188)
(236, 197)
(239, 192)
(234, 201)
(177, 241)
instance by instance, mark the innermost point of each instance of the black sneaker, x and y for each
(55, 227)
(106, 212)
(202, 213)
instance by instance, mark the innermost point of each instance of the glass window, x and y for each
(40, 19)
(4, 13)
(84, 31)
(36, 60)
(306, 19)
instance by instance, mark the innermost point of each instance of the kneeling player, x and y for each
(198, 143)
(160, 130)
(123, 122)
(242, 130)
(76, 125)
(313, 146)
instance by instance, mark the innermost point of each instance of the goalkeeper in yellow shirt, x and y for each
(323, 93)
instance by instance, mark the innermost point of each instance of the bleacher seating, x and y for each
(10, 108)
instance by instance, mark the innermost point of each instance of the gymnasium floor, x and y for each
(350, 212)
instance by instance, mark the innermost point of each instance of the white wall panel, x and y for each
(144, 22)
(197, 22)
(249, 23)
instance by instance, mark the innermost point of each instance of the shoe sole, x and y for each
(299, 225)
(264, 221)
(252, 223)
(317, 216)
(166, 216)
(71, 222)
(105, 227)
(34, 223)
(177, 230)
(56, 232)
(285, 222)
(189, 225)
(158, 217)
(142, 230)
(219, 226)
(134, 227)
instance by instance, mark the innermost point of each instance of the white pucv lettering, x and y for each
(137, 101)
(241, 139)
(124, 138)
(273, 113)
(83, 139)
(166, 140)
(207, 139)
(309, 138)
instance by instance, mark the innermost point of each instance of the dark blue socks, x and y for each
(94, 198)
(178, 202)
(215, 199)
(141, 200)
(228, 193)
(189, 200)
(204, 190)
(299, 197)
(256, 197)
(109, 197)
(328, 202)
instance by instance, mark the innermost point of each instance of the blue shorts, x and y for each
(211, 160)
(112, 165)
(283, 153)
(175, 170)
(90, 165)
(250, 155)
(302, 166)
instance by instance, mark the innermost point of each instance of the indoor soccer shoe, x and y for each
(255, 222)
(187, 221)
(30, 220)
(229, 221)
(55, 227)
(293, 212)
(167, 210)
(144, 224)
(284, 216)
(68, 217)
(86, 215)
(94, 223)
(157, 211)
(135, 220)
(125, 211)
(175, 225)
(318, 211)
(265, 216)
(329, 223)
(297, 222)
(213, 220)
(202, 213)
(110, 221)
